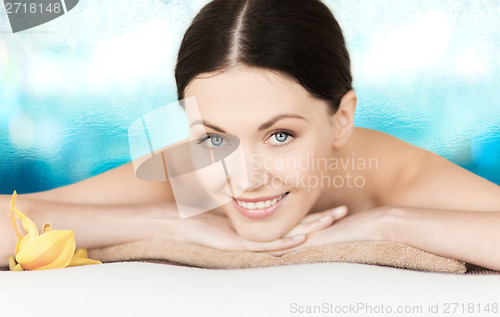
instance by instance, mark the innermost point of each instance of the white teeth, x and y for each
(259, 204)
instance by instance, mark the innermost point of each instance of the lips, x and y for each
(257, 208)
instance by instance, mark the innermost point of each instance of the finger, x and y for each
(286, 251)
(318, 215)
(278, 253)
(329, 217)
(340, 212)
(279, 244)
(315, 216)
(306, 228)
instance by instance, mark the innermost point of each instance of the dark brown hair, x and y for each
(299, 38)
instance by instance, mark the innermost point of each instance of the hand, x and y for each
(215, 231)
(317, 221)
(361, 226)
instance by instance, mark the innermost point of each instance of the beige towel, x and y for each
(368, 252)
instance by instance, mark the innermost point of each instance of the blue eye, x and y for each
(280, 138)
(216, 140)
(212, 140)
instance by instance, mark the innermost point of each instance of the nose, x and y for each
(256, 174)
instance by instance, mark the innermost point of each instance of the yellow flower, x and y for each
(50, 250)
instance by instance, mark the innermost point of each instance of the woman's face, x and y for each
(282, 129)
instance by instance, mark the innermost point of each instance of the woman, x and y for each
(276, 74)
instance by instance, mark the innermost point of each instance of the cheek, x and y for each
(301, 168)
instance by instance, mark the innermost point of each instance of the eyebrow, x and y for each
(269, 123)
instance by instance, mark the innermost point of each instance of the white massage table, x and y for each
(151, 289)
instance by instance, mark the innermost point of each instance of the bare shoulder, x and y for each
(397, 161)
(442, 184)
(412, 176)
(116, 186)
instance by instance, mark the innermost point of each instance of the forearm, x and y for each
(94, 225)
(470, 236)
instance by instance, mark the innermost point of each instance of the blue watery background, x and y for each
(426, 72)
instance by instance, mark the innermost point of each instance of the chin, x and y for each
(259, 237)
(262, 232)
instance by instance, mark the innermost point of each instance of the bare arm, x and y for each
(116, 186)
(470, 236)
(448, 211)
(94, 225)
(110, 208)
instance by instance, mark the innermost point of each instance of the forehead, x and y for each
(247, 90)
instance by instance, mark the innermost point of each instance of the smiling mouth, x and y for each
(259, 203)
(259, 207)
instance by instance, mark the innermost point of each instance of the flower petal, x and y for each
(29, 226)
(50, 250)
(13, 220)
(13, 266)
(82, 261)
(46, 228)
(81, 253)
(81, 258)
